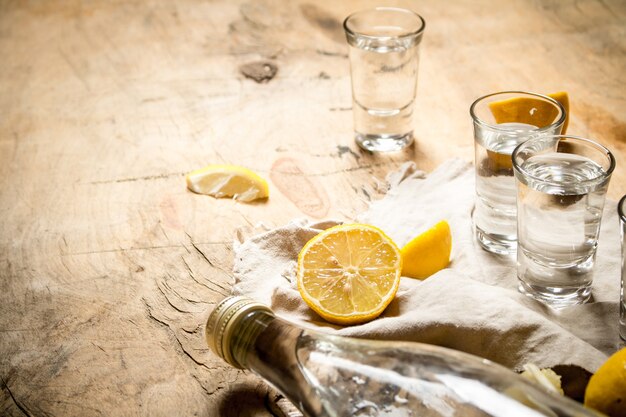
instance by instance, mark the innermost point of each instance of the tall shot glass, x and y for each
(501, 122)
(561, 188)
(621, 211)
(384, 57)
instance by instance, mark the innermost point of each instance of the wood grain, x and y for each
(109, 266)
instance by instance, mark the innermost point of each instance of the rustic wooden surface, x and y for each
(109, 266)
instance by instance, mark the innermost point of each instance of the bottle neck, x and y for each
(244, 337)
(268, 346)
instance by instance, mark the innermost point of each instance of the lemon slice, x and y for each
(428, 252)
(349, 273)
(606, 390)
(231, 181)
(530, 110)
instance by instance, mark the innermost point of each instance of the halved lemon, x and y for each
(527, 110)
(606, 390)
(230, 181)
(349, 273)
(427, 253)
(530, 110)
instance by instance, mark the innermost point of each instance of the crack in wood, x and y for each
(193, 277)
(21, 330)
(329, 53)
(168, 299)
(346, 149)
(179, 295)
(17, 403)
(206, 391)
(190, 332)
(133, 248)
(202, 254)
(339, 171)
(163, 230)
(99, 347)
(152, 316)
(173, 333)
(145, 178)
(197, 362)
(206, 258)
(180, 174)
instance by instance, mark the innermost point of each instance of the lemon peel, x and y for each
(428, 252)
(606, 390)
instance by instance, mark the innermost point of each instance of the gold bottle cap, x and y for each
(223, 321)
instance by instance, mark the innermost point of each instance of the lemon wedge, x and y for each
(349, 273)
(530, 110)
(546, 377)
(428, 252)
(230, 181)
(606, 390)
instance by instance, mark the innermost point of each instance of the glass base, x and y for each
(499, 244)
(383, 143)
(556, 297)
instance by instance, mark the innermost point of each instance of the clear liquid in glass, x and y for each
(495, 214)
(384, 83)
(559, 213)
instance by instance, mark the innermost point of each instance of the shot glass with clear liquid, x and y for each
(384, 57)
(621, 211)
(561, 188)
(501, 122)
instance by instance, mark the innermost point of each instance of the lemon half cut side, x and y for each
(349, 274)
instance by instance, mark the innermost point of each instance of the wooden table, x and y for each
(109, 266)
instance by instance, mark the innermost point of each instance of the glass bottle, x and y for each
(333, 376)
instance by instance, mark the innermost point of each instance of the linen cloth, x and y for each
(473, 305)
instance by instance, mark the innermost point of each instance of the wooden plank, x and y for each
(109, 266)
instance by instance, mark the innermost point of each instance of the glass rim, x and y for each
(412, 34)
(621, 209)
(495, 127)
(606, 174)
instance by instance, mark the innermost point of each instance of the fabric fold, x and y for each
(472, 306)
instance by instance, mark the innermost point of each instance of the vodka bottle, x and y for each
(333, 376)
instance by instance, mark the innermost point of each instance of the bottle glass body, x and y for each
(333, 376)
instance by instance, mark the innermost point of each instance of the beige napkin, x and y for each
(472, 306)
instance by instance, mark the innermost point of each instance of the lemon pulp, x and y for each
(349, 273)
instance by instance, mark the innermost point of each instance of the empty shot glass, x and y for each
(501, 122)
(384, 57)
(621, 211)
(561, 188)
